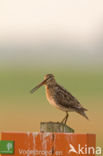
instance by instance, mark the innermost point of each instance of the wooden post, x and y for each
(55, 127)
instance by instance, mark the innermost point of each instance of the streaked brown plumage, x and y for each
(60, 97)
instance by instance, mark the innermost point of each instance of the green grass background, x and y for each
(21, 111)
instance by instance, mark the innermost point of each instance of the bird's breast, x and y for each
(50, 97)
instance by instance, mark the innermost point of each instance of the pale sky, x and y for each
(71, 27)
(35, 19)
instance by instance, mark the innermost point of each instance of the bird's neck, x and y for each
(51, 85)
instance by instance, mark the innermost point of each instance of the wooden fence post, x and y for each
(55, 127)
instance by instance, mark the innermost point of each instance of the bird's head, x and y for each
(48, 80)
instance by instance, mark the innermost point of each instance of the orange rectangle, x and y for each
(46, 144)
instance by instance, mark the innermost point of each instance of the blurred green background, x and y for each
(62, 38)
(21, 111)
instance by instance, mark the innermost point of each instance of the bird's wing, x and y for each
(64, 98)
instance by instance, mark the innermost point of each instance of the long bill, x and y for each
(37, 87)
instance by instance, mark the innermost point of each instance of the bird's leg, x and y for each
(65, 118)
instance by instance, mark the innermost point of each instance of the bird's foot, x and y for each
(63, 121)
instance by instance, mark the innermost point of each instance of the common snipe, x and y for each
(60, 98)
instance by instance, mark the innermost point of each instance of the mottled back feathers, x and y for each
(64, 99)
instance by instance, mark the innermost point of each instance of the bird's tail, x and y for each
(82, 112)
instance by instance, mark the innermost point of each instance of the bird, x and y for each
(60, 97)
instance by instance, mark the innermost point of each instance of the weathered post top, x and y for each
(55, 127)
